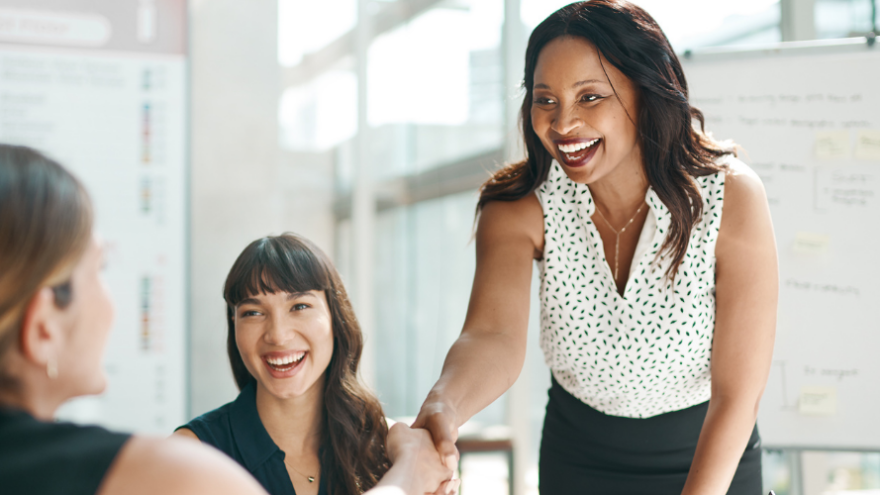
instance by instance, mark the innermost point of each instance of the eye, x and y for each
(543, 101)
(590, 98)
(299, 307)
(250, 312)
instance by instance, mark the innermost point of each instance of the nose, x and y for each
(566, 120)
(278, 331)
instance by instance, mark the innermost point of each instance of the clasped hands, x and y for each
(427, 451)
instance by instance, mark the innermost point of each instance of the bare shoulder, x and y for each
(520, 220)
(743, 188)
(175, 466)
(745, 222)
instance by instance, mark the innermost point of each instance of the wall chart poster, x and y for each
(102, 89)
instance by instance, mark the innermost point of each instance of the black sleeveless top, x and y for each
(39, 458)
(236, 429)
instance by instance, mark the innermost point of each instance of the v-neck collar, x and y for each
(250, 435)
(253, 441)
(584, 205)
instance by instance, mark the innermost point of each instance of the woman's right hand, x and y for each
(439, 419)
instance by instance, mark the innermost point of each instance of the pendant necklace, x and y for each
(310, 478)
(617, 234)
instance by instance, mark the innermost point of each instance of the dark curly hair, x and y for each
(674, 151)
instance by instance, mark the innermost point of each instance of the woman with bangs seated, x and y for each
(303, 423)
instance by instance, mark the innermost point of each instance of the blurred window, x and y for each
(435, 90)
(424, 271)
(319, 114)
(306, 26)
(693, 24)
(843, 18)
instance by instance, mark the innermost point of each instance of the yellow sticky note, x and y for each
(832, 145)
(811, 243)
(818, 401)
(868, 145)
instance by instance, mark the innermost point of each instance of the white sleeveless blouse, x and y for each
(647, 352)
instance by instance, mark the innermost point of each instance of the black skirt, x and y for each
(584, 451)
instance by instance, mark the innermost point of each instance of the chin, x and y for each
(96, 386)
(281, 390)
(585, 175)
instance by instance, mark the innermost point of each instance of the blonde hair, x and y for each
(45, 226)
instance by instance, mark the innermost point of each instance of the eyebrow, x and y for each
(297, 295)
(290, 296)
(575, 85)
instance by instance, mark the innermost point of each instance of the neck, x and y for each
(293, 423)
(620, 193)
(32, 391)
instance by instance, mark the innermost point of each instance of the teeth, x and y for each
(574, 148)
(293, 358)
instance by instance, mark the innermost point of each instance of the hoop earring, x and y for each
(52, 369)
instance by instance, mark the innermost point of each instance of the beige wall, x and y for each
(242, 186)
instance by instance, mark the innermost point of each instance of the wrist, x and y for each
(437, 403)
(401, 475)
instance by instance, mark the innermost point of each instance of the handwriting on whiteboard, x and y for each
(825, 288)
(836, 373)
(846, 189)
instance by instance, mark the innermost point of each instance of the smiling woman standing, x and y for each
(303, 423)
(658, 272)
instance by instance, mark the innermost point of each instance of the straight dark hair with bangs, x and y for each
(354, 430)
(674, 151)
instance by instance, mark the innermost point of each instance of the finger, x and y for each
(450, 487)
(419, 422)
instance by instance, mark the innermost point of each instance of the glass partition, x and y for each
(424, 271)
(435, 88)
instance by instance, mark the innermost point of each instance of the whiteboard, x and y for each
(808, 117)
(108, 101)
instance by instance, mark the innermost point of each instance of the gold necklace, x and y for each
(617, 233)
(310, 478)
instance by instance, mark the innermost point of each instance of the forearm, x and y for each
(478, 369)
(723, 440)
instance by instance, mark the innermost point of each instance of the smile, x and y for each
(574, 148)
(577, 152)
(284, 365)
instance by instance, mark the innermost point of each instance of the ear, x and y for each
(40, 329)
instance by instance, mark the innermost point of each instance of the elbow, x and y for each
(740, 402)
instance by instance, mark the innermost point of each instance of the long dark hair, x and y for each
(353, 454)
(673, 150)
(45, 227)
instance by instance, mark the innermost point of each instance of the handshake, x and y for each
(424, 457)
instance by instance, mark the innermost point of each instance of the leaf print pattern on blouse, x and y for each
(644, 353)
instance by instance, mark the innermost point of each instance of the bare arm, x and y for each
(175, 466)
(488, 356)
(747, 286)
